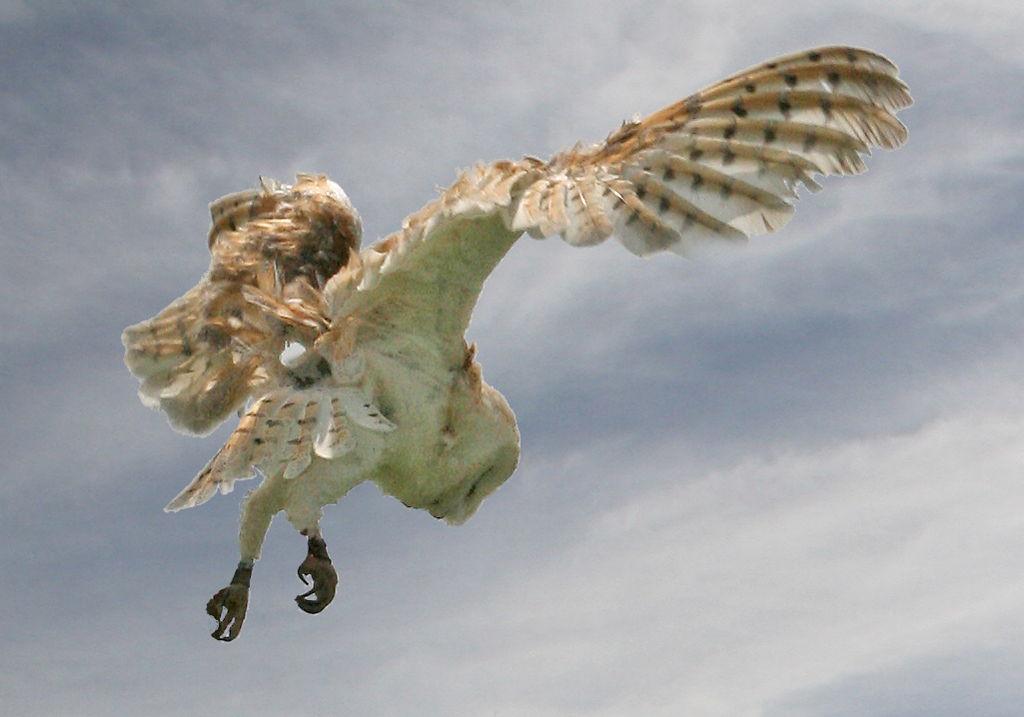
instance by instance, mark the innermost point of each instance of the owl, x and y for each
(348, 365)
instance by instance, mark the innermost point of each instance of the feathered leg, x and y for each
(229, 605)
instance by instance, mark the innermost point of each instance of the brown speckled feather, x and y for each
(726, 161)
(273, 250)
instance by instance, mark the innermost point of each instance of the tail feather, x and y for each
(280, 434)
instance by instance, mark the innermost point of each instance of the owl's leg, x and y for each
(317, 565)
(229, 605)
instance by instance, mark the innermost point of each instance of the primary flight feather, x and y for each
(384, 387)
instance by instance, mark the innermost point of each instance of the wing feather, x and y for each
(272, 249)
(744, 145)
(721, 164)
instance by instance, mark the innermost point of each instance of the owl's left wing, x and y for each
(723, 163)
(272, 250)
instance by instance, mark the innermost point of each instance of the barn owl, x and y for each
(350, 365)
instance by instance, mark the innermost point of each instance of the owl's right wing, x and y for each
(723, 163)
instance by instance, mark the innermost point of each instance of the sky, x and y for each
(785, 480)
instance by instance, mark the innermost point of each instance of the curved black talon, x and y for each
(233, 601)
(317, 565)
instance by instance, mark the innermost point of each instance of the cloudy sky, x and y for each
(783, 481)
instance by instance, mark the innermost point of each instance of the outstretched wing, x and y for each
(722, 164)
(726, 162)
(273, 250)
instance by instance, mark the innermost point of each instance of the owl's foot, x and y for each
(232, 601)
(317, 565)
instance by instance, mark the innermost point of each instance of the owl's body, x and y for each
(385, 388)
(433, 434)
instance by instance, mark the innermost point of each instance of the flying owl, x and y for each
(349, 365)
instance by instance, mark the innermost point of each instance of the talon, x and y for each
(233, 601)
(317, 565)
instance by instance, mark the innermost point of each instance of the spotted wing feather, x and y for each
(726, 162)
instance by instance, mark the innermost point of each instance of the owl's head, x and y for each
(331, 229)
